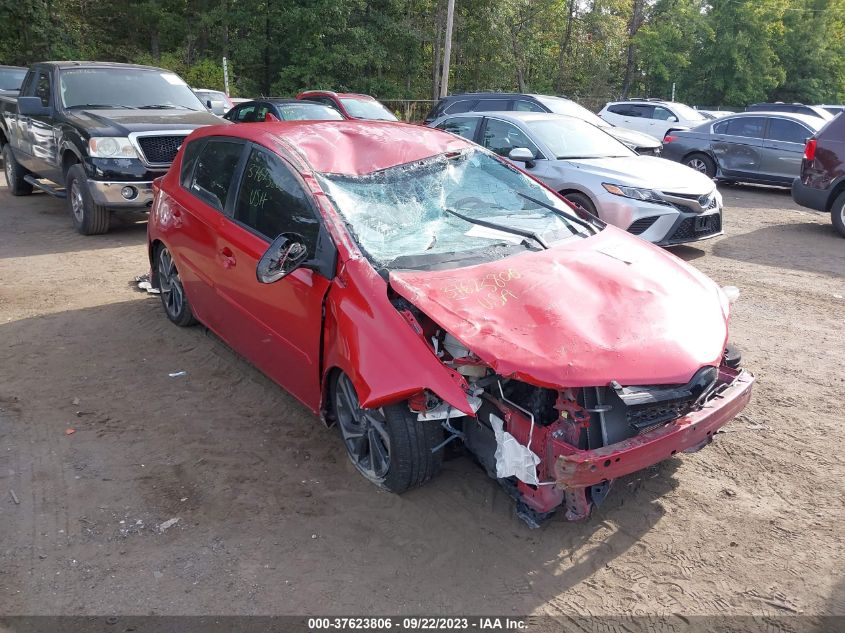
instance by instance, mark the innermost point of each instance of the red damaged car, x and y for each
(415, 290)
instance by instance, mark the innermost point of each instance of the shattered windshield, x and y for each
(465, 206)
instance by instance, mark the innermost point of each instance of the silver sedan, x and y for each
(661, 201)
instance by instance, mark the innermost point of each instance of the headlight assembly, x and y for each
(647, 195)
(111, 147)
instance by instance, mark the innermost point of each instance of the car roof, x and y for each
(350, 148)
(512, 115)
(807, 119)
(14, 67)
(330, 93)
(86, 64)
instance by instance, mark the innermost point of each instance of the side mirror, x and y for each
(522, 155)
(285, 254)
(208, 104)
(32, 106)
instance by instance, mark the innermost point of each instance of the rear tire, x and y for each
(837, 213)
(388, 446)
(88, 218)
(580, 200)
(172, 292)
(14, 174)
(701, 163)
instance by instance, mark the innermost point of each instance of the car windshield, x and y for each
(686, 112)
(308, 112)
(11, 78)
(125, 87)
(423, 214)
(570, 138)
(570, 108)
(367, 109)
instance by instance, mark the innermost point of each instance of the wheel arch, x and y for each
(70, 156)
(835, 191)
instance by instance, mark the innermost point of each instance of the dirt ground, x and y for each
(273, 519)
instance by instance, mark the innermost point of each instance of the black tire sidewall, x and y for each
(709, 163)
(583, 201)
(17, 185)
(185, 317)
(95, 218)
(412, 462)
(836, 213)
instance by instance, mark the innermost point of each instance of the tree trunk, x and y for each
(564, 46)
(435, 70)
(633, 26)
(266, 86)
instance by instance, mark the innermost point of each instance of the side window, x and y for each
(618, 109)
(42, 88)
(189, 161)
(216, 165)
(492, 105)
(463, 105)
(243, 112)
(747, 126)
(462, 126)
(501, 137)
(642, 111)
(526, 106)
(662, 114)
(272, 201)
(721, 127)
(788, 131)
(27, 84)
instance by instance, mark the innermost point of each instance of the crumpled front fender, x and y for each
(367, 339)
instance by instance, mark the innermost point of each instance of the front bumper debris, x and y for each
(575, 468)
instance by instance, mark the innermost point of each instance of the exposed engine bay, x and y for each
(563, 447)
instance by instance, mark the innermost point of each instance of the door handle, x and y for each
(228, 257)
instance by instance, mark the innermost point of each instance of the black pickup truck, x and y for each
(96, 133)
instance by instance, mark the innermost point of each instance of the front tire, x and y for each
(388, 446)
(14, 174)
(172, 292)
(701, 163)
(580, 200)
(837, 214)
(88, 218)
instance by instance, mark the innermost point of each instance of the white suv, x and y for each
(651, 116)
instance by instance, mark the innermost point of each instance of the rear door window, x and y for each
(492, 105)
(787, 131)
(462, 126)
(271, 200)
(462, 105)
(522, 105)
(216, 166)
(746, 126)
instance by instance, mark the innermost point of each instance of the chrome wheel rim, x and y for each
(76, 201)
(170, 286)
(364, 432)
(698, 165)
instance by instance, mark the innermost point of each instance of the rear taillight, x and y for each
(810, 149)
(669, 138)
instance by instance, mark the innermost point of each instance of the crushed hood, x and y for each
(584, 313)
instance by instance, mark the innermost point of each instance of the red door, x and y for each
(192, 219)
(276, 326)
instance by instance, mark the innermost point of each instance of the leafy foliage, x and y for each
(715, 52)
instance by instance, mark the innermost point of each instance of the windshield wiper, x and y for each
(99, 105)
(564, 214)
(166, 107)
(500, 227)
